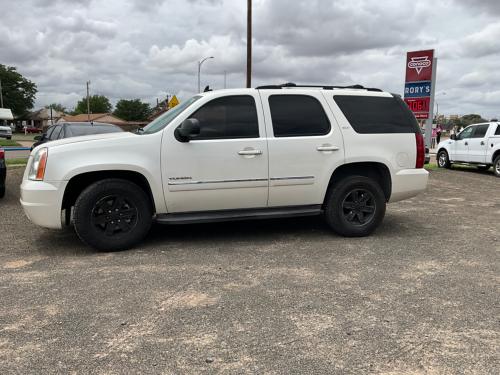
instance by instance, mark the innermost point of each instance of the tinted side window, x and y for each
(228, 117)
(480, 131)
(498, 130)
(466, 133)
(55, 133)
(298, 115)
(376, 115)
(49, 132)
(79, 130)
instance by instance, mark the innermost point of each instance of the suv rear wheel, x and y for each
(112, 214)
(355, 206)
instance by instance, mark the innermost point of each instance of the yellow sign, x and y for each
(173, 102)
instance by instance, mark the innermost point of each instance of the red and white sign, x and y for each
(419, 73)
(419, 66)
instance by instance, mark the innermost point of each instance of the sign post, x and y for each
(420, 86)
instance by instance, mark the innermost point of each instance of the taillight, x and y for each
(419, 140)
(2, 153)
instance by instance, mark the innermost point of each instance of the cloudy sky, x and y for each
(149, 48)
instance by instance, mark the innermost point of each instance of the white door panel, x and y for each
(460, 150)
(215, 174)
(301, 167)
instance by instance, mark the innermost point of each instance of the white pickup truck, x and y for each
(273, 151)
(477, 144)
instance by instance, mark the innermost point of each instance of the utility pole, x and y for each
(225, 78)
(1, 95)
(51, 118)
(249, 43)
(88, 102)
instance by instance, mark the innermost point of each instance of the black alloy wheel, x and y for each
(114, 215)
(359, 207)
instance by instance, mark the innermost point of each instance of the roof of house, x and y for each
(102, 117)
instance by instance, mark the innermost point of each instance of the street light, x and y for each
(199, 70)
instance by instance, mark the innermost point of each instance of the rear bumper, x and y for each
(408, 183)
(42, 202)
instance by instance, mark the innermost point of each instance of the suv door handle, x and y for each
(249, 152)
(482, 143)
(466, 143)
(327, 148)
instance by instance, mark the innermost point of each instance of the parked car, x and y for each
(274, 151)
(477, 144)
(74, 129)
(33, 130)
(5, 131)
(3, 172)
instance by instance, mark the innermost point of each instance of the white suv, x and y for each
(273, 151)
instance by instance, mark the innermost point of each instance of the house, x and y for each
(42, 118)
(94, 117)
(108, 118)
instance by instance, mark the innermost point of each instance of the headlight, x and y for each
(37, 169)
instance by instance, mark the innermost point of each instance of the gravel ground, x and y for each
(421, 295)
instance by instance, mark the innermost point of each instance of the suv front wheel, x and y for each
(355, 206)
(112, 214)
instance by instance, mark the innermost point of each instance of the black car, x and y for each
(74, 129)
(3, 172)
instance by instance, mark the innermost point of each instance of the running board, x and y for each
(234, 215)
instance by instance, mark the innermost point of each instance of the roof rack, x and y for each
(324, 87)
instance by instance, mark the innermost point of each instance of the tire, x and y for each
(120, 229)
(443, 161)
(2, 191)
(9, 138)
(496, 166)
(358, 193)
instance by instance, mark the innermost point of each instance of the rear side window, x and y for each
(227, 118)
(298, 115)
(55, 133)
(498, 130)
(480, 131)
(377, 115)
(80, 130)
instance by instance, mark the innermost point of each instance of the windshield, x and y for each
(165, 119)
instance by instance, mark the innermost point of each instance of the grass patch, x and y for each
(16, 161)
(431, 167)
(8, 142)
(22, 137)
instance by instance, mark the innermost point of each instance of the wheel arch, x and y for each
(375, 170)
(495, 155)
(81, 181)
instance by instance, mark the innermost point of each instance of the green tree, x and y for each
(132, 110)
(98, 104)
(472, 119)
(57, 107)
(18, 92)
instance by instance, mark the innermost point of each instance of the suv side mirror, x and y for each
(188, 130)
(453, 137)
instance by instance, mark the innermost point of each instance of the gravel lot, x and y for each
(281, 297)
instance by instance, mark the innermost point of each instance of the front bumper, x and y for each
(407, 183)
(42, 202)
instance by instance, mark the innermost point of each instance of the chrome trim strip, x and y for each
(216, 181)
(292, 178)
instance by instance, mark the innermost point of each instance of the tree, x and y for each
(98, 104)
(56, 107)
(18, 92)
(472, 119)
(132, 110)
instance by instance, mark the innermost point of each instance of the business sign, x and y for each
(418, 89)
(173, 102)
(418, 83)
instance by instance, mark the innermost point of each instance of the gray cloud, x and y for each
(146, 49)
